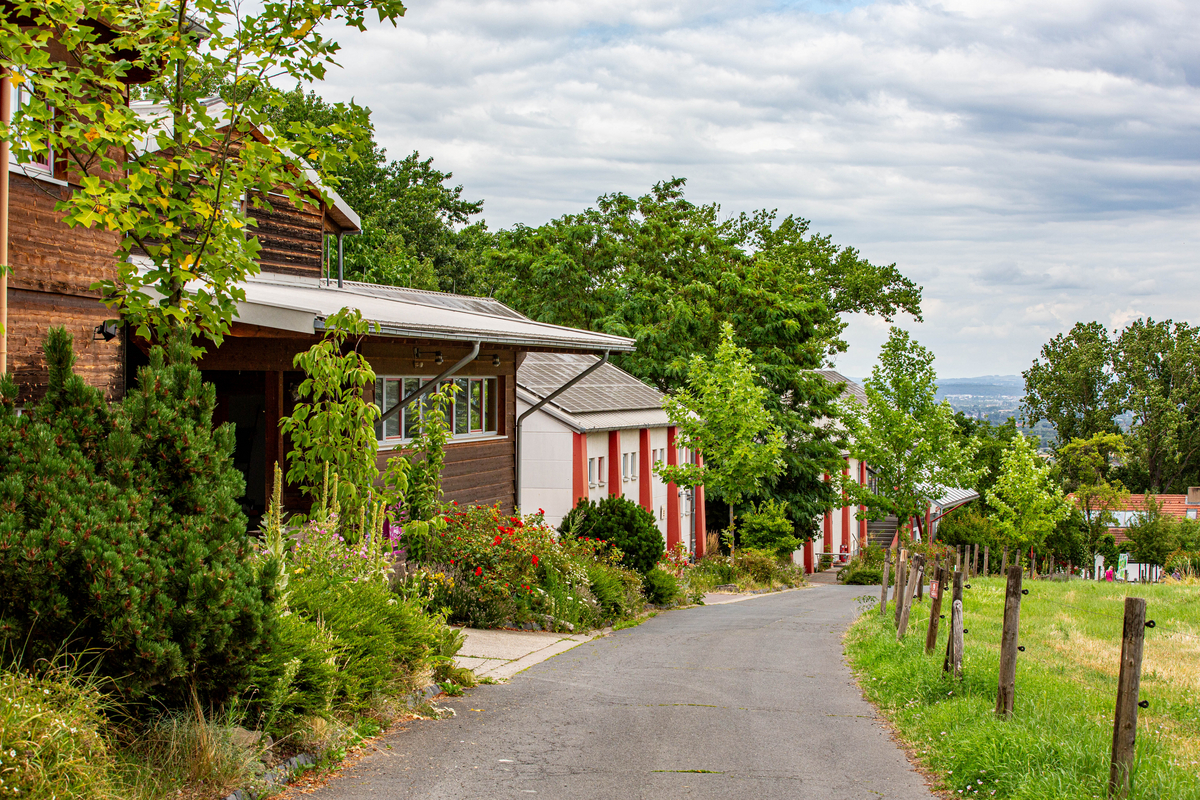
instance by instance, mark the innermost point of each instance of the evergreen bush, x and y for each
(767, 527)
(623, 524)
(662, 588)
(121, 535)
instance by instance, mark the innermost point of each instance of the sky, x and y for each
(1030, 163)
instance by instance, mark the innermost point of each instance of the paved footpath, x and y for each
(748, 699)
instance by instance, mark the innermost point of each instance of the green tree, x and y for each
(908, 438)
(175, 179)
(332, 428)
(1155, 365)
(670, 273)
(1028, 505)
(1072, 385)
(121, 536)
(990, 442)
(1085, 465)
(721, 414)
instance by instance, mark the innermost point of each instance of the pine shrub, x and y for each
(121, 535)
(623, 524)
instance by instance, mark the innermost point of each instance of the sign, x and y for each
(1122, 564)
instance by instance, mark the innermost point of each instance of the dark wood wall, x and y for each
(476, 472)
(290, 237)
(53, 268)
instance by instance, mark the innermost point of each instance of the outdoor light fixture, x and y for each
(437, 357)
(106, 331)
(417, 352)
(495, 359)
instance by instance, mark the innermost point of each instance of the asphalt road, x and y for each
(743, 700)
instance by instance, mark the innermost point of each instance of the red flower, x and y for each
(478, 571)
(496, 542)
(542, 511)
(535, 561)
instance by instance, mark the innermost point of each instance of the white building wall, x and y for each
(546, 464)
(630, 479)
(597, 453)
(658, 441)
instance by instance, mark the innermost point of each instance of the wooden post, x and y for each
(1008, 644)
(1004, 563)
(887, 563)
(1125, 721)
(921, 583)
(958, 564)
(937, 588)
(1032, 562)
(914, 574)
(986, 573)
(898, 594)
(954, 644)
(975, 563)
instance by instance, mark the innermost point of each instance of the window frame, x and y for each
(31, 169)
(489, 390)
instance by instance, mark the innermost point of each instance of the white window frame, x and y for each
(37, 170)
(486, 381)
(600, 471)
(633, 465)
(591, 473)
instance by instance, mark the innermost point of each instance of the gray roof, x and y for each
(609, 388)
(852, 390)
(952, 497)
(302, 304)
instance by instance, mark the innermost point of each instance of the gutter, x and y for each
(535, 407)
(432, 384)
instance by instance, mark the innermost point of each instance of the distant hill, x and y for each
(981, 387)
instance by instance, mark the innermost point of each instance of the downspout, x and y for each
(5, 117)
(431, 385)
(538, 405)
(339, 259)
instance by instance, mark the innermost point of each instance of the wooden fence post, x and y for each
(1120, 776)
(901, 585)
(914, 574)
(937, 588)
(958, 563)
(1004, 563)
(1008, 644)
(1032, 562)
(954, 644)
(986, 572)
(887, 563)
(975, 563)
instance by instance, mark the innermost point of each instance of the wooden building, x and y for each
(421, 334)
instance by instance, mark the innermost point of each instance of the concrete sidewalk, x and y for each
(500, 654)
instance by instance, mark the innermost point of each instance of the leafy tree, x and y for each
(1069, 541)
(990, 442)
(1072, 384)
(670, 273)
(121, 536)
(1086, 465)
(332, 429)
(908, 438)
(1152, 535)
(1155, 366)
(766, 527)
(1028, 505)
(721, 414)
(416, 226)
(172, 180)
(968, 524)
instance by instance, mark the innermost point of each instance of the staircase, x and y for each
(881, 531)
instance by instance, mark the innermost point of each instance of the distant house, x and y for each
(600, 438)
(1174, 506)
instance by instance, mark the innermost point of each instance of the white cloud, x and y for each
(1031, 163)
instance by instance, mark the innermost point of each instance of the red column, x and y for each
(698, 511)
(846, 511)
(862, 523)
(646, 473)
(827, 527)
(579, 475)
(672, 493)
(808, 557)
(614, 464)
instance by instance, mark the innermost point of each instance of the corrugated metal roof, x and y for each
(600, 420)
(852, 390)
(299, 304)
(609, 388)
(951, 497)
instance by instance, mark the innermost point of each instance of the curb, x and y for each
(278, 777)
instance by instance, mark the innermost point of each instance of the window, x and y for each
(472, 414)
(591, 472)
(625, 467)
(43, 163)
(633, 466)
(600, 468)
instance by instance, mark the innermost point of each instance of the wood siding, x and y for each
(53, 268)
(290, 237)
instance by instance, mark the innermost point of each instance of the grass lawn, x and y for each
(1059, 741)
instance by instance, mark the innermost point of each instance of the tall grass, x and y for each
(1057, 743)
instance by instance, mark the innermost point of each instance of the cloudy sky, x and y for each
(1030, 162)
